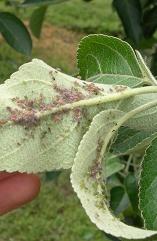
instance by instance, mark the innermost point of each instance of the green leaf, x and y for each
(148, 187)
(150, 21)
(36, 20)
(15, 33)
(132, 140)
(132, 190)
(146, 3)
(112, 165)
(119, 200)
(130, 14)
(144, 121)
(87, 180)
(52, 175)
(147, 75)
(113, 181)
(117, 79)
(154, 64)
(106, 58)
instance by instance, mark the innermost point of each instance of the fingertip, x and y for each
(17, 190)
(32, 185)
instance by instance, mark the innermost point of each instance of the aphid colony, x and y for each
(26, 112)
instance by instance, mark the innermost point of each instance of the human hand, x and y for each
(17, 189)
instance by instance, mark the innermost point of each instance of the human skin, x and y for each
(17, 189)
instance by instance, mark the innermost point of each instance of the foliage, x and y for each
(138, 18)
(57, 121)
(139, 21)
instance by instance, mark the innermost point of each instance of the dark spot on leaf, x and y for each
(51, 75)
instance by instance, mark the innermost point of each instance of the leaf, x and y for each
(87, 180)
(148, 187)
(132, 190)
(116, 79)
(144, 121)
(105, 54)
(112, 166)
(150, 21)
(36, 20)
(108, 57)
(15, 33)
(146, 3)
(132, 140)
(147, 75)
(52, 175)
(153, 64)
(30, 3)
(130, 14)
(112, 181)
(119, 200)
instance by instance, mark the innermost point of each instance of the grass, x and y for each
(56, 215)
(96, 16)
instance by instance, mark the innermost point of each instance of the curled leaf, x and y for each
(87, 179)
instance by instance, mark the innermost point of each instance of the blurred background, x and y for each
(51, 30)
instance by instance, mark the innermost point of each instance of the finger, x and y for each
(4, 175)
(17, 190)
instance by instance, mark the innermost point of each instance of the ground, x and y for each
(57, 215)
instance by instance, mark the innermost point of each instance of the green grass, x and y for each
(56, 215)
(93, 17)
